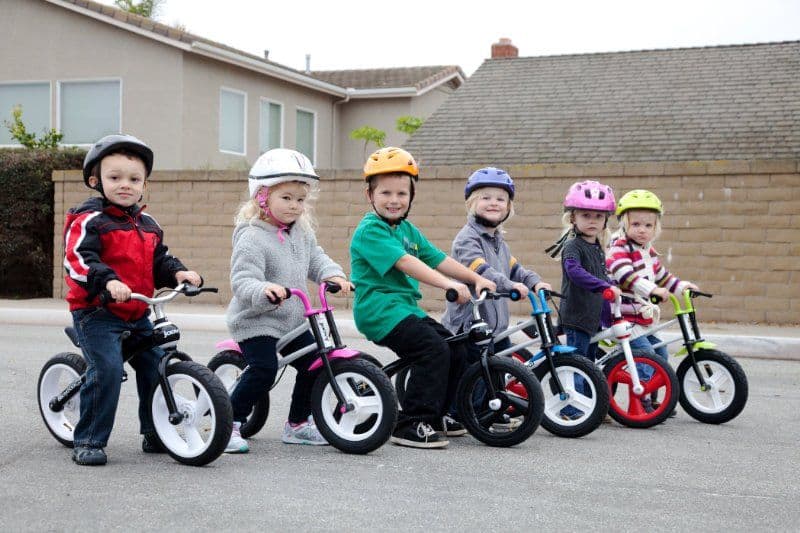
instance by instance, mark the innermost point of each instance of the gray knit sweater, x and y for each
(259, 257)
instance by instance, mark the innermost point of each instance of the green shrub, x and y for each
(26, 218)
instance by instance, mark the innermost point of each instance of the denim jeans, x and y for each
(645, 344)
(262, 366)
(99, 334)
(473, 356)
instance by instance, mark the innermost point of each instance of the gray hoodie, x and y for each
(259, 257)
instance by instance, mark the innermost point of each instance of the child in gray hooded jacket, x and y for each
(274, 247)
(480, 246)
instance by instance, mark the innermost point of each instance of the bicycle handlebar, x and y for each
(182, 288)
(451, 295)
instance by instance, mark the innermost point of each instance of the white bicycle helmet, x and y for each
(278, 166)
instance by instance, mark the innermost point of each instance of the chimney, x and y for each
(308, 63)
(266, 54)
(504, 48)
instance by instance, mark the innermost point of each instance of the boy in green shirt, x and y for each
(389, 257)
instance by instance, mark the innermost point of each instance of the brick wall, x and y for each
(729, 226)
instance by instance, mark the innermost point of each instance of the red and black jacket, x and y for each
(104, 242)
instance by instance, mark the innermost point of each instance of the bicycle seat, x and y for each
(531, 331)
(73, 336)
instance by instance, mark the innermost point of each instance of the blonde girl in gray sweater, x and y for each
(274, 246)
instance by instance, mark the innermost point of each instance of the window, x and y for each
(305, 135)
(270, 131)
(89, 110)
(232, 121)
(34, 98)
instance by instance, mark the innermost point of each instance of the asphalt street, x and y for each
(682, 475)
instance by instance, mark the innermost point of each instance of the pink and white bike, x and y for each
(352, 400)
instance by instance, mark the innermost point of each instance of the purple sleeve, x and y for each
(580, 277)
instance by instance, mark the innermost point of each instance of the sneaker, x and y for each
(151, 444)
(449, 427)
(647, 405)
(673, 413)
(303, 433)
(505, 427)
(89, 456)
(418, 434)
(237, 444)
(608, 419)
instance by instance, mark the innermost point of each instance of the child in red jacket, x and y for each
(113, 247)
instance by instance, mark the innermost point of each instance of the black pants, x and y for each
(262, 361)
(435, 370)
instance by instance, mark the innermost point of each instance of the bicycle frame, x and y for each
(685, 317)
(620, 331)
(541, 318)
(165, 334)
(328, 341)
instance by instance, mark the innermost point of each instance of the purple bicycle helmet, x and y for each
(489, 177)
(590, 195)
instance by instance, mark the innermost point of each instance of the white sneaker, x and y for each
(303, 433)
(237, 444)
(506, 427)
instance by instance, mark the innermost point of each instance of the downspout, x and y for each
(334, 137)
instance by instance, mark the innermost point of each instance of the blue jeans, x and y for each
(645, 344)
(262, 366)
(99, 334)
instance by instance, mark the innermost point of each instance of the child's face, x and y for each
(123, 179)
(492, 204)
(641, 226)
(286, 201)
(391, 196)
(589, 223)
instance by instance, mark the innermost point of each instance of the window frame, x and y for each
(59, 83)
(244, 121)
(49, 105)
(314, 133)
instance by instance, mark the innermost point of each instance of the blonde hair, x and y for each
(472, 200)
(624, 224)
(250, 211)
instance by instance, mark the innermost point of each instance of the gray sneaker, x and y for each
(237, 444)
(303, 433)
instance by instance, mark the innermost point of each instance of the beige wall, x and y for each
(730, 226)
(54, 44)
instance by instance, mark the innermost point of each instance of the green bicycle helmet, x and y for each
(639, 199)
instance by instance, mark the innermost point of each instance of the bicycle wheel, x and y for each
(367, 389)
(513, 415)
(228, 365)
(726, 394)
(586, 402)
(401, 383)
(57, 373)
(625, 406)
(207, 422)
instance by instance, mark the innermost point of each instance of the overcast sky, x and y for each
(373, 34)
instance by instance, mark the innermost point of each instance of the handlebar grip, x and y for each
(656, 299)
(276, 301)
(514, 295)
(549, 292)
(332, 287)
(105, 298)
(209, 289)
(451, 295)
(693, 293)
(608, 294)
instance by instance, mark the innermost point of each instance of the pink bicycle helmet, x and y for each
(590, 195)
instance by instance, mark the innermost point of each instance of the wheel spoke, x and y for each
(635, 405)
(518, 403)
(203, 404)
(582, 402)
(654, 383)
(620, 375)
(368, 404)
(192, 436)
(554, 403)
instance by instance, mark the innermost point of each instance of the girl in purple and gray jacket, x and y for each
(582, 311)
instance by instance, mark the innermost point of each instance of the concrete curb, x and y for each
(751, 344)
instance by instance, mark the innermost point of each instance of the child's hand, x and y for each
(692, 286)
(343, 283)
(461, 289)
(189, 276)
(523, 290)
(119, 291)
(542, 285)
(275, 293)
(661, 292)
(482, 283)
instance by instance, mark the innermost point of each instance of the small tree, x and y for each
(19, 132)
(145, 8)
(368, 134)
(408, 124)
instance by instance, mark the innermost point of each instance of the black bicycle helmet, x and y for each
(114, 143)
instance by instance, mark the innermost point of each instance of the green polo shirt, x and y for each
(385, 295)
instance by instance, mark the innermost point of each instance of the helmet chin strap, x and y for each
(488, 223)
(262, 198)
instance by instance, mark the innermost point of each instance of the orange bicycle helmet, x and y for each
(388, 160)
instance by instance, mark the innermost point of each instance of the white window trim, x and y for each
(280, 104)
(219, 121)
(85, 80)
(49, 105)
(314, 114)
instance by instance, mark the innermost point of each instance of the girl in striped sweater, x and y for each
(635, 266)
